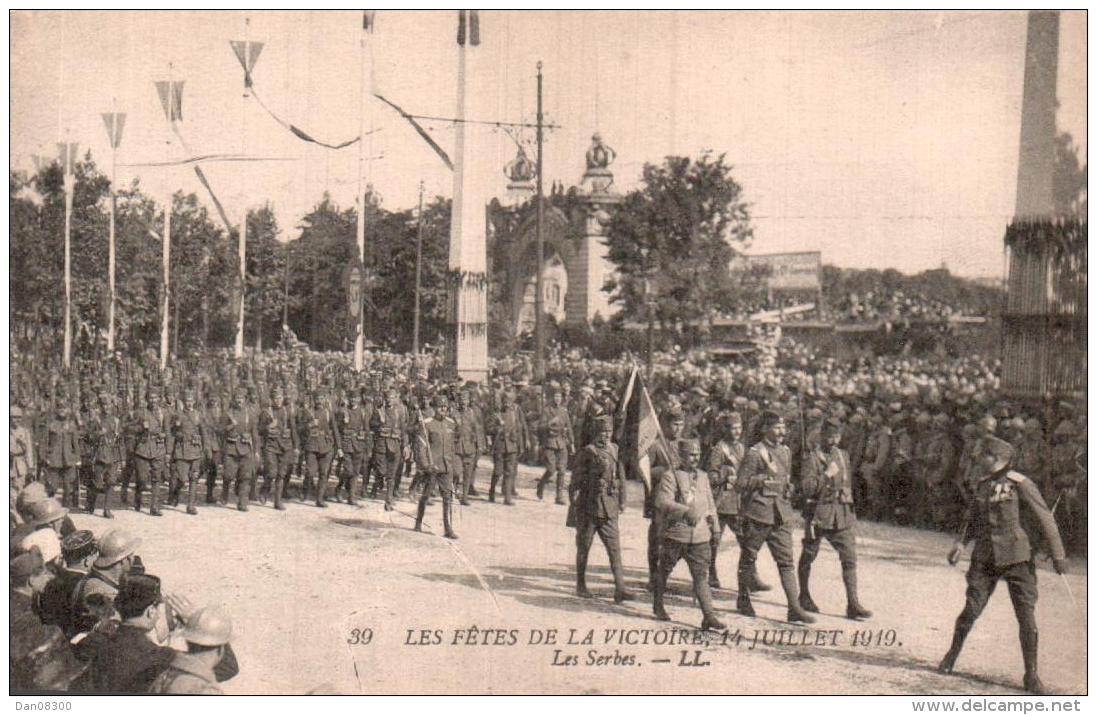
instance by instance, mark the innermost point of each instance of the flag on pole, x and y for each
(470, 20)
(115, 122)
(247, 53)
(67, 153)
(171, 99)
(639, 430)
(369, 20)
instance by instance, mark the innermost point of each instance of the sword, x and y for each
(1070, 593)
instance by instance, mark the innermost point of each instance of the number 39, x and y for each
(360, 636)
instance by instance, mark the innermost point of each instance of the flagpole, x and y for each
(166, 245)
(115, 139)
(360, 235)
(418, 273)
(67, 160)
(238, 350)
(539, 297)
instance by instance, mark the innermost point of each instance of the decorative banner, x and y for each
(300, 133)
(247, 53)
(67, 152)
(422, 132)
(115, 122)
(369, 20)
(171, 99)
(354, 289)
(472, 18)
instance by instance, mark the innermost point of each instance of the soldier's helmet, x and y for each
(31, 494)
(208, 626)
(115, 546)
(45, 540)
(46, 511)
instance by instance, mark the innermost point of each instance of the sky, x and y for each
(882, 139)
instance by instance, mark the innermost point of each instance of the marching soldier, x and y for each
(188, 451)
(598, 498)
(280, 445)
(355, 442)
(62, 456)
(389, 425)
(995, 520)
(510, 438)
(241, 442)
(558, 444)
(874, 460)
(320, 439)
(767, 517)
(212, 417)
(672, 430)
(684, 499)
(436, 456)
(150, 451)
(471, 443)
(829, 514)
(109, 454)
(21, 455)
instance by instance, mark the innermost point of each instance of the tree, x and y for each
(266, 263)
(1070, 179)
(679, 232)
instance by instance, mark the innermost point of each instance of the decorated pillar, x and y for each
(590, 266)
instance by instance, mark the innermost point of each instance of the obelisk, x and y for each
(467, 339)
(1036, 161)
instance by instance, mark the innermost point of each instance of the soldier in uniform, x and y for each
(436, 456)
(558, 443)
(212, 417)
(21, 455)
(389, 425)
(62, 455)
(598, 498)
(995, 518)
(188, 451)
(510, 438)
(767, 515)
(355, 442)
(684, 499)
(873, 462)
(109, 454)
(673, 422)
(150, 451)
(471, 443)
(829, 514)
(320, 439)
(207, 634)
(40, 659)
(93, 597)
(129, 659)
(280, 445)
(241, 437)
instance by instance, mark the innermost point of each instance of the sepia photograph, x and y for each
(548, 352)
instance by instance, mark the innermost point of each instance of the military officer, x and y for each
(320, 439)
(212, 436)
(598, 498)
(389, 425)
(510, 439)
(829, 514)
(558, 443)
(188, 451)
(241, 437)
(280, 445)
(109, 454)
(723, 467)
(436, 456)
(767, 515)
(62, 454)
(150, 452)
(684, 499)
(471, 442)
(995, 519)
(355, 441)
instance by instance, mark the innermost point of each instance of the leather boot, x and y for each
(241, 497)
(803, 573)
(226, 489)
(154, 508)
(756, 583)
(494, 482)
(192, 495)
(92, 498)
(795, 613)
(420, 513)
(107, 514)
(136, 499)
(742, 603)
(959, 633)
(581, 589)
(278, 495)
(541, 487)
(321, 492)
(658, 607)
(854, 609)
(1029, 651)
(560, 499)
(447, 520)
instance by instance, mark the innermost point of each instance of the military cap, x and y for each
(688, 446)
(733, 418)
(769, 419)
(116, 545)
(16, 411)
(833, 423)
(45, 541)
(1000, 448)
(46, 511)
(23, 566)
(78, 545)
(440, 400)
(136, 593)
(1065, 429)
(604, 422)
(208, 626)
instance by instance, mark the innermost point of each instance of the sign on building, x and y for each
(790, 271)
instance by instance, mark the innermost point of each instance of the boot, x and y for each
(154, 508)
(192, 496)
(742, 603)
(958, 635)
(136, 499)
(447, 521)
(795, 613)
(581, 589)
(107, 514)
(351, 492)
(278, 495)
(854, 609)
(541, 487)
(92, 498)
(560, 490)
(757, 584)
(494, 483)
(420, 513)
(226, 489)
(241, 497)
(803, 572)
(713, 577)
(321, 493)
(1029, 651)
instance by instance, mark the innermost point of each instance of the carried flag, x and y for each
(639, 430)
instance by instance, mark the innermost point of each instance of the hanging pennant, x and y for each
(115, 122)
(422, 132)
(369, 20)
(171, 99)
(471, 19)
(67, 152)
(247, 53)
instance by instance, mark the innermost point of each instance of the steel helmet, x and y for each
(115, 546)
(49, 545)
(46, 511)
(32, 493)
(208, 626)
